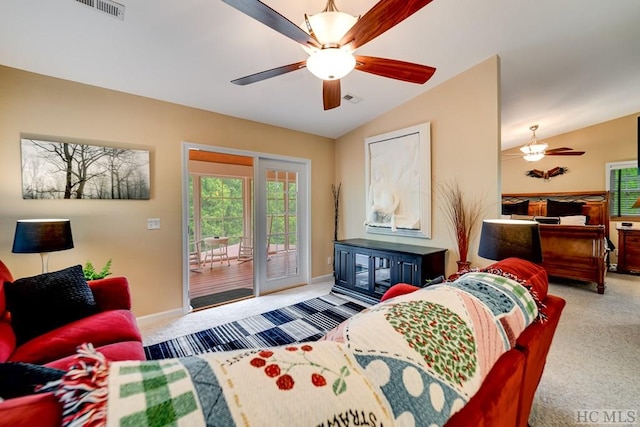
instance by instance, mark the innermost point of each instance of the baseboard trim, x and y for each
(322, 279)
(155, 317)
(151, 318)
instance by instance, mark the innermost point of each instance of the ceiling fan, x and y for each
(330, 39)
(535, 150)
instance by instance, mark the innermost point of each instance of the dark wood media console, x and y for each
(365, 268)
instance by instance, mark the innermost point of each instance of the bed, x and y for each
(574, 231)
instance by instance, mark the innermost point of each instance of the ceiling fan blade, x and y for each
(553, 150)
(272, 19)
(331, 94)
(384, 15)
(394, 69)
(565, 153)
(263, 75)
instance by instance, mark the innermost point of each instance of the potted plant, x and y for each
(463, 215)
(90, 272)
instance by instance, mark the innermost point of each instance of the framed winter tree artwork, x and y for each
(64, 170)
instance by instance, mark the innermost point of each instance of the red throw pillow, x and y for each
(534, 275)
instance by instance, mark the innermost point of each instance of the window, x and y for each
(216, 207)
(623, 183)
(282, 202)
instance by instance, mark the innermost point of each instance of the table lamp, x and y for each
(42, 236)
(504, 238)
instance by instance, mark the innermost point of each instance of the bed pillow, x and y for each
(573, 220)
(557, 208)
(522, 217)
(547, 219)
(47, 301)
(519, 208)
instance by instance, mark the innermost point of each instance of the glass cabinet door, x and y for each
(381, 274)
(362, 271)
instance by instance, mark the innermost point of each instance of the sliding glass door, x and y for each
(281, 203)
(260, 204)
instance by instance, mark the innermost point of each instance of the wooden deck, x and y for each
(220, 277)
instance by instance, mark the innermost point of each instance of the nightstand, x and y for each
(628, 250)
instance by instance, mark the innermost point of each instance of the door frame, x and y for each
(302, 167)
(305, 233)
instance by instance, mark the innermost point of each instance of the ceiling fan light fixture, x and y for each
(539, 147)
(533, 157)
(331, 63)
(329, 27)
(534, 150)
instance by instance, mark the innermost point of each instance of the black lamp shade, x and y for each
(42, 235)
(502, 239)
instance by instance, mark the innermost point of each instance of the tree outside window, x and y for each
(624, 187)
(221, 207)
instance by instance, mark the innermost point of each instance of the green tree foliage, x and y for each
(625, 190)
(222, 209)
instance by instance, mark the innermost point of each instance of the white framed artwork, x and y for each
(398, 182)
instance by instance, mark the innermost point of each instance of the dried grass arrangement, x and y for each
(464, 216)
(336, 208)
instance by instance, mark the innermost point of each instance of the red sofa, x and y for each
(504, 399)
(112, 330)
(506, 396)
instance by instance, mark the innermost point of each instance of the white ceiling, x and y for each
(565, 64)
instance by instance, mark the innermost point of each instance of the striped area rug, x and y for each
(305, 321)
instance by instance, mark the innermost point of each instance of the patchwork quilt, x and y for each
(413, 360)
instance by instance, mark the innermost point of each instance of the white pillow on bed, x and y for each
(573, 220)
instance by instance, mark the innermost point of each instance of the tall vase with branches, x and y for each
(463, 215)
(336, 208)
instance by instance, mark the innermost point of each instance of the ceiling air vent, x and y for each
(109, 7)
(352, 98)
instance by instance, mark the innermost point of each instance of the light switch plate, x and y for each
(153, 223)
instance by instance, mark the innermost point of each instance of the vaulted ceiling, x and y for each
(565, 64)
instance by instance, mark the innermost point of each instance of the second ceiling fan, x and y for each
(330, 39)
(535, 150)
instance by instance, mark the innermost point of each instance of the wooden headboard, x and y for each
(596, 203)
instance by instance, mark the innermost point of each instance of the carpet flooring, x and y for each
(220, 297)
(593, 367)
(305, 321)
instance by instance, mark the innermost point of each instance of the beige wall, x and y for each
(151, 260)
(465, 122)
(611, 141)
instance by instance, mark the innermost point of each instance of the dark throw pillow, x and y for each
(520, 208)
(557, 208)
(20, 379)
(44, 302)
